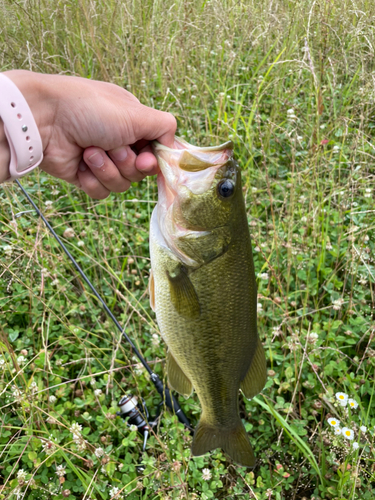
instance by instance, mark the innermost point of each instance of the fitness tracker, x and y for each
(21, 131)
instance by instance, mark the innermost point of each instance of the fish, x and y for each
(203, 290)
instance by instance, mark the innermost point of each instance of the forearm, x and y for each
(34, 87)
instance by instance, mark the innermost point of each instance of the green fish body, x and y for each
(203, 290)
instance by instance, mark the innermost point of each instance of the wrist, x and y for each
(36, 92)
(4, 155)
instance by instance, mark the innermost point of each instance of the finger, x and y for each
(146, 162)
(152, 124)
(90, 184)
(105, 170)
(125, 160)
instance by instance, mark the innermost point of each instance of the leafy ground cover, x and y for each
(292, 83)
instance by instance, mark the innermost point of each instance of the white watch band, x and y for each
(26, 149)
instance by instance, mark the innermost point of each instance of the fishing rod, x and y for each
(167, 397)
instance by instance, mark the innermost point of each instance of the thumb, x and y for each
(151, 124)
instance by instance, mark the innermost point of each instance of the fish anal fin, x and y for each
(183, 294)
(234, 442)
(177, 378)
(256, 375)
(151, 289)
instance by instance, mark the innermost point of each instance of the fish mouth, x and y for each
(188, 165)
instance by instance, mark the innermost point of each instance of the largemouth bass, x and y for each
(203, 290)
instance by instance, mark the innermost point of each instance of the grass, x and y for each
(292, 83)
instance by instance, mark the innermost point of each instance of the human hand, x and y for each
(95, 134)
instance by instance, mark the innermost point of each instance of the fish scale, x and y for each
(204, 293)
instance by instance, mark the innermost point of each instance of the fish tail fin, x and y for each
(234, 442)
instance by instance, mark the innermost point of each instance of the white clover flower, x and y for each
(133, 428)
(347, 433)
(206, 474)
(193, 97)
(2, 363)
(81, 243)
(342, 398)
(17, 393)
(337, 304)
(52, 399)
(334, 422)
(99, 452)
(362, 280)
(312, 337)
(21, 360)
(55, 282)
(60, 471)
(8, 250)
(259, 306)
(21, 475)
(48, 203)
(155, 339)
(368, 193)
(92, 382)
(337, 430)
(68, 233)
(81, 444)
(98, 392)
(138, 369)
(17, 492)
(264, 276)
(355, 446)
(336, 149)
(114, 492)
(352, 403)
(49, 447)
(276, 330)
(290, 112)
(75, 429)
(363, 428)
(33, 387)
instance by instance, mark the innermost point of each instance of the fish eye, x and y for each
(225, 188)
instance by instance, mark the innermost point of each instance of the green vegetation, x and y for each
(292, 83)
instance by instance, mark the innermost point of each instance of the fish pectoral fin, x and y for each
(177, 378)
(234, 442)
(151, 289)
(256, 375)
(183, 294)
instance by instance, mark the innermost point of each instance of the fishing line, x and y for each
(167, 396)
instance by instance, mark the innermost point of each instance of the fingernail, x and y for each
(82, 167)
(96, 160)
(119, 154)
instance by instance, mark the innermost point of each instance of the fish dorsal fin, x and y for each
(256, 375)
(177, 378)
(192, 163)
(183, 294)
(151, 289)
